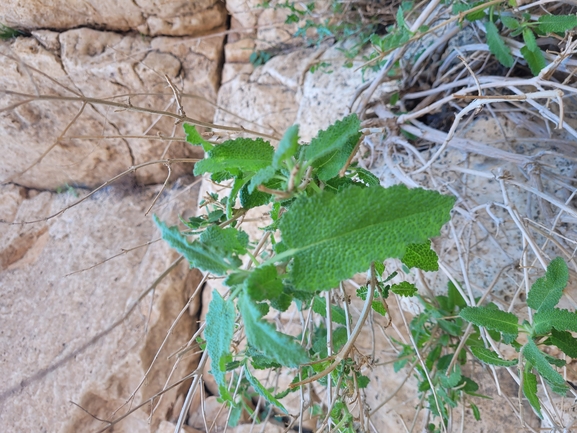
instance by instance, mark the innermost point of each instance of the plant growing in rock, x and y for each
(330, 220)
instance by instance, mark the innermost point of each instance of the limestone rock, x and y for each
(150, 17)
(36, 137)
(61, 336)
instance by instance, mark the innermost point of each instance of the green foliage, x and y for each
(262, 336)
(219, 331)
(421, 256)
(8, 32)
(547, 290)
(331, 220)
(380, 224)
(550, 326)
(497, 45)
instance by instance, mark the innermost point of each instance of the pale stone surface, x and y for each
(239, 51)
(150, 17)
(57, 340)
(96, 64)
(266, 100)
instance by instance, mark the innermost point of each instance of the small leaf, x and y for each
(530, 391)
(490, 357)
(510, 22)
(421, 256)
(529, 38)
(535, 60)
(218, 332)
(337, 313)
(333, 236)
(331, 148)
(561, 320)
(532, 354)
(557, 23)
(262, 391)
(476, 412)
(546, 291)
(206, 257)
(404, 288)
(228, 239)
(248, 200)
(195, 139)
(264, 337)
(261, 176)
(455, 297)
(497, 45)
(564, 341)
(264, 283)
(367, 177)
(491, 318)
(236, 156)
(287, 147)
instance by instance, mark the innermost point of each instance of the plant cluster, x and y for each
(329, 221)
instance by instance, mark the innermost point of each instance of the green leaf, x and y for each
(236, 156)
(264, 337)
(261, 176)
(287, 147)
(218, 333)
(491, 318)
(248, 200)
(455, 297)
(367, 177)
(228, 239)
(421, 256)
(207, 257)
(530, 390)
(557, 23)
(490, 357)
(529, 38)
(476, 412)
(510, 22)
(546, 291)
(564, 341)
(535, 59)
(262, 391)
(331, 148)
(333, 236)
(404, 288)
(264, 283)
(497, 45)
(337, 313)
(532, 354)
(194, 138)
(561, 320)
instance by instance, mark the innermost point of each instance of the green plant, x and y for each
(8, 32)
(518, 24)
(550, 326)
(330, 220)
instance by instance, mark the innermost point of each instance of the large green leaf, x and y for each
(333, 236)
(546, 291)
(497, 45)
(218, 333)
(216, 258)
(264, 337)
(561, 320)
(490, 357)
(264, 283)
(535, 59)
(236, 156)
(492, 318)
(532, 354)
